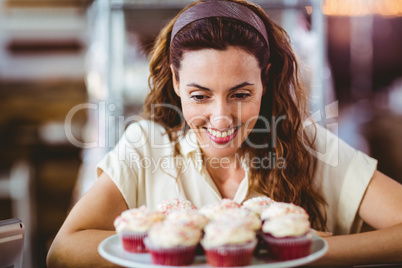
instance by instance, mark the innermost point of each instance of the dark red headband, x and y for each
(217, 8)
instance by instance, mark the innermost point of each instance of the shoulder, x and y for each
(145, 131)
(326, 146)
(145, 127)
(144, 138)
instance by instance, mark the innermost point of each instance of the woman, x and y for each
(225, 119)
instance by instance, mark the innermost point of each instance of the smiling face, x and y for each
(220, 93)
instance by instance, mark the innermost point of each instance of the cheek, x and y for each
(194, 115)
(250, 115)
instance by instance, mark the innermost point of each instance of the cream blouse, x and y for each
(144, 170)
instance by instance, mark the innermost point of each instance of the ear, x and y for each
(268, 67)
(175, 82)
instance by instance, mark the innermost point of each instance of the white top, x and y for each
(145, 172)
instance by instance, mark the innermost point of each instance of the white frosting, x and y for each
(214, 210)
(279, 209)
(226, 232)
(167, 234)
(191, 218)
(288, 225)
(241, 215)
(137, 220)
(257, 204)
(173, 204)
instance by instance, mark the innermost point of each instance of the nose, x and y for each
(221, 115)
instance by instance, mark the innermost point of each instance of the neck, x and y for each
(227, 174)
(222, 163)
(223, 169)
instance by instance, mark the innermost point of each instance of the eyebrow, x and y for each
(231, 89)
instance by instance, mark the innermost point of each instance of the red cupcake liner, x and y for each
(231, 255)
(133, 242)
(175, 256)
(289, 248)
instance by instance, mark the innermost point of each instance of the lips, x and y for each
(222, 137)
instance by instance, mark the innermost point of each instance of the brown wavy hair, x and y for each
(285, 97)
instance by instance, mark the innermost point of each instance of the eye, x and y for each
(199, 98)
(241, 96)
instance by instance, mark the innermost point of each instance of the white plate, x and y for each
(112, 250)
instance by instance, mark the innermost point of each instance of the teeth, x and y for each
(219, 134)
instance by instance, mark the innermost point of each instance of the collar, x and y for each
(190, 148)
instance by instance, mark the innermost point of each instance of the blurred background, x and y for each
(73, 74)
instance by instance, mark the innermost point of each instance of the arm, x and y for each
(381, 208)
(89, 222)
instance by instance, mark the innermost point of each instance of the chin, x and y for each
(220, 150)
(220, 153)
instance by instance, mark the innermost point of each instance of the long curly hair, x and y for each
(285, 98)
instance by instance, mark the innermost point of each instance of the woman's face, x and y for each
(220, 93)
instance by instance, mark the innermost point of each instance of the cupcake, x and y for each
(250, 219)
(241, 215)
(257, 204)
(133, 225)
(173, 244)
(288, 237)
(174, 204)
(278, 209)
(190, 218)
(228, 243)
(214, 210)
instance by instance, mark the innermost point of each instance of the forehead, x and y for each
(212, 63)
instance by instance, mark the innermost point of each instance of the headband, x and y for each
(220, 9)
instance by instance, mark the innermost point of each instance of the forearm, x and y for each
(381, 246)
(79, 249)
